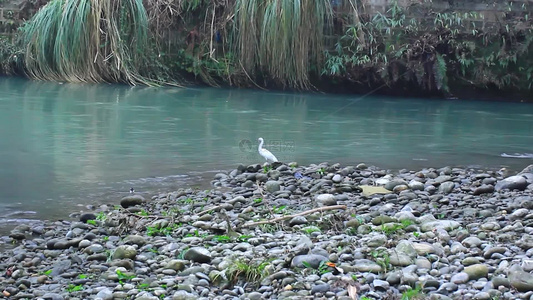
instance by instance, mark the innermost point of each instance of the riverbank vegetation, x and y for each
(304, 45)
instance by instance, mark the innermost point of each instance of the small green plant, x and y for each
(153, 250)
(360, 219)
(321, 171)
(166, 230)
(309, 230)
(323, 267)
(181, 255)
(279, 209)
(382, 258)
(74, 288)
(143, 213)
(390, 228)
(351, 231)
(108, 254)
(258, 200)
(413, 294)
(92, 222)
(143, 286)
(197, 234)
(124, 277)
(406, 223)
(105, 238)
(416, 234)
(268, 228)
(101, 216)
(253, 272)
(266, 169)
(222, 238)
(244, 238)
(47, 273)
(83, 276)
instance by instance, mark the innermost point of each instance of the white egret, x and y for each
(265, 153)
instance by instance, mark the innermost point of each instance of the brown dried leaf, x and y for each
(352, 292)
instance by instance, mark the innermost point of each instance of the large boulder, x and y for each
(131, 200)
(517, 182)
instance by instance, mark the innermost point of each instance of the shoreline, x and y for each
(295, 232)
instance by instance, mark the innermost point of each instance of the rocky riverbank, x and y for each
(288, 232)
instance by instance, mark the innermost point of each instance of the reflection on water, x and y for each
(62, 145)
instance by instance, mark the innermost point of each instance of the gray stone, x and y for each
(470, 261)
(516, 182)
(313, 260)
(406, 248)
(365, 265)
(299, 220)
(381, 284)
(482, 296)
(444, 224)
(472, 241)
(105, 294)
(416, 185)
(131, 200)
(446, 187)
(60, 267)
(448, 287)
(442, 178)
(320, 288)
(383, 219)
(377, 240)
(490, 226)
(488, 253)
(528, 169)
(500, 281)
(272, 186)
(198, 254)
(520, 280)
(484, 189)
(394, 277)
(423, 248)
(255, 296)
(326, 199)
(84, 217)
(400, 259)
(135, 239)
(459, 278)
(176, 265)
(337, 178)
(519, 214)
(183, 295)
(476, 271)
(52, 296)
(125, 251)
(390, 185)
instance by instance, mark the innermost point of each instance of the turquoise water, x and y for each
(67, 145)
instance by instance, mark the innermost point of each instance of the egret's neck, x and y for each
(260, 145)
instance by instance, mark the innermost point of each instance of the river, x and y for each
(63, 146)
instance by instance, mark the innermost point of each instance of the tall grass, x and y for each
(281, 39)
(88, 41)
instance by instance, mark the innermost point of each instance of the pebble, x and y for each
(458, 233)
